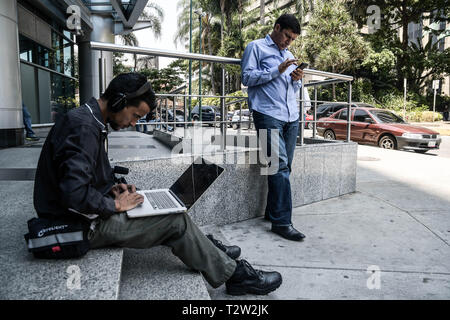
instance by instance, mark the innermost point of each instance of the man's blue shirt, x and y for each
(270, 92)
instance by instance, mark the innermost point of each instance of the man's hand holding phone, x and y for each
(284, 65)
(297, 74)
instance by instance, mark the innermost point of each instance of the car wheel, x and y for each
(388, 142)
(235, 126)
(329, 135)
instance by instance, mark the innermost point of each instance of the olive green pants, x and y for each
(176, 231)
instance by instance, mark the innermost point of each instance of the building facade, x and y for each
(46, 60)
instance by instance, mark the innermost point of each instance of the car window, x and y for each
(386, 116)
(343, 115)
(339, 107)
(360, 115)
(321, 109)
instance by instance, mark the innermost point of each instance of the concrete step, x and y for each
(156, 274)
(94, 276)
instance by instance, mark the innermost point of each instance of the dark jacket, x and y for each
(73, 170)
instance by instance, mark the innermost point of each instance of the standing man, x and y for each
(74, 178)
(269, 71)
(30, 135)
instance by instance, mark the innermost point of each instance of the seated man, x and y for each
(74, 177)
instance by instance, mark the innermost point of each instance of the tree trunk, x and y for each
(402, 57)
(222, 20)
(262, 11)
(208, 33)
(333, 86)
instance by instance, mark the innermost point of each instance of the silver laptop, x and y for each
(181, 195)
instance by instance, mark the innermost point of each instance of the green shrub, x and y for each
(421, 116)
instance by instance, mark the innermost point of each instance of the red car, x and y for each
(378, 127)
(308, 123)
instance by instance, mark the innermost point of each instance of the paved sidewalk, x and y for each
(443, 127)
(398, 222)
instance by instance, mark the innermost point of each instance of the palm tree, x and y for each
(153, 14)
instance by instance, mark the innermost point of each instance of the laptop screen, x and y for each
(194, 181)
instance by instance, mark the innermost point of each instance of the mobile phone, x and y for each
(302, 66)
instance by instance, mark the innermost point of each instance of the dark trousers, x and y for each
(279, 199)
(176, 231)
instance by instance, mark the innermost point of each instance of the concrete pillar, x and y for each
(95, 67)
(11, 123)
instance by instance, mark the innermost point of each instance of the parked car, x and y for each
(308, 119)
(379, 127)
(179, 116)
(230, 118)
(209, 113)
(237, 119)
(327, 109)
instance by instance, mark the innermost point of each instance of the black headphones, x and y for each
(121, 99)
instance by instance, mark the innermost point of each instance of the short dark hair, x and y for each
(127, 83)
(288, 21)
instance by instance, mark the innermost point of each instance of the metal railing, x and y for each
(329, 78)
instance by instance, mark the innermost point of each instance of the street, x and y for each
(444, 150)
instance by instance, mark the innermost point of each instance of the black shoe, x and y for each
(245, 280)
(32, 138)
(288, 232)
(232, 251)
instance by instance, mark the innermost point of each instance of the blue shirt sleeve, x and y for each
(251, 74)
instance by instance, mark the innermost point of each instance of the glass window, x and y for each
(57, 54)
(386, 116)
(343, 115)
(43, 56)
(68, 63)
(26, 48)
(337, 108)
(361, 115)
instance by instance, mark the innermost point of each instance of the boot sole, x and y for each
(240, 291)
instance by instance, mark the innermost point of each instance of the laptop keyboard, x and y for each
(160, 200)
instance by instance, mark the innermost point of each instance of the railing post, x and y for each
(174, 115)
(166, 106)
(302, 113)
(315, 113)
(223, 126)
(349, 111)
(185, 114)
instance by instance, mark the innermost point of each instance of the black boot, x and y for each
(245, 280)
(288, 232)
(232, 251)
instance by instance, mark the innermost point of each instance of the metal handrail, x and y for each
(330, 78)
(161, 53)
(200, 57)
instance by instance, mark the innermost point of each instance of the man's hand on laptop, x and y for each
(119, 188)
(126, 197)
(127, 201)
